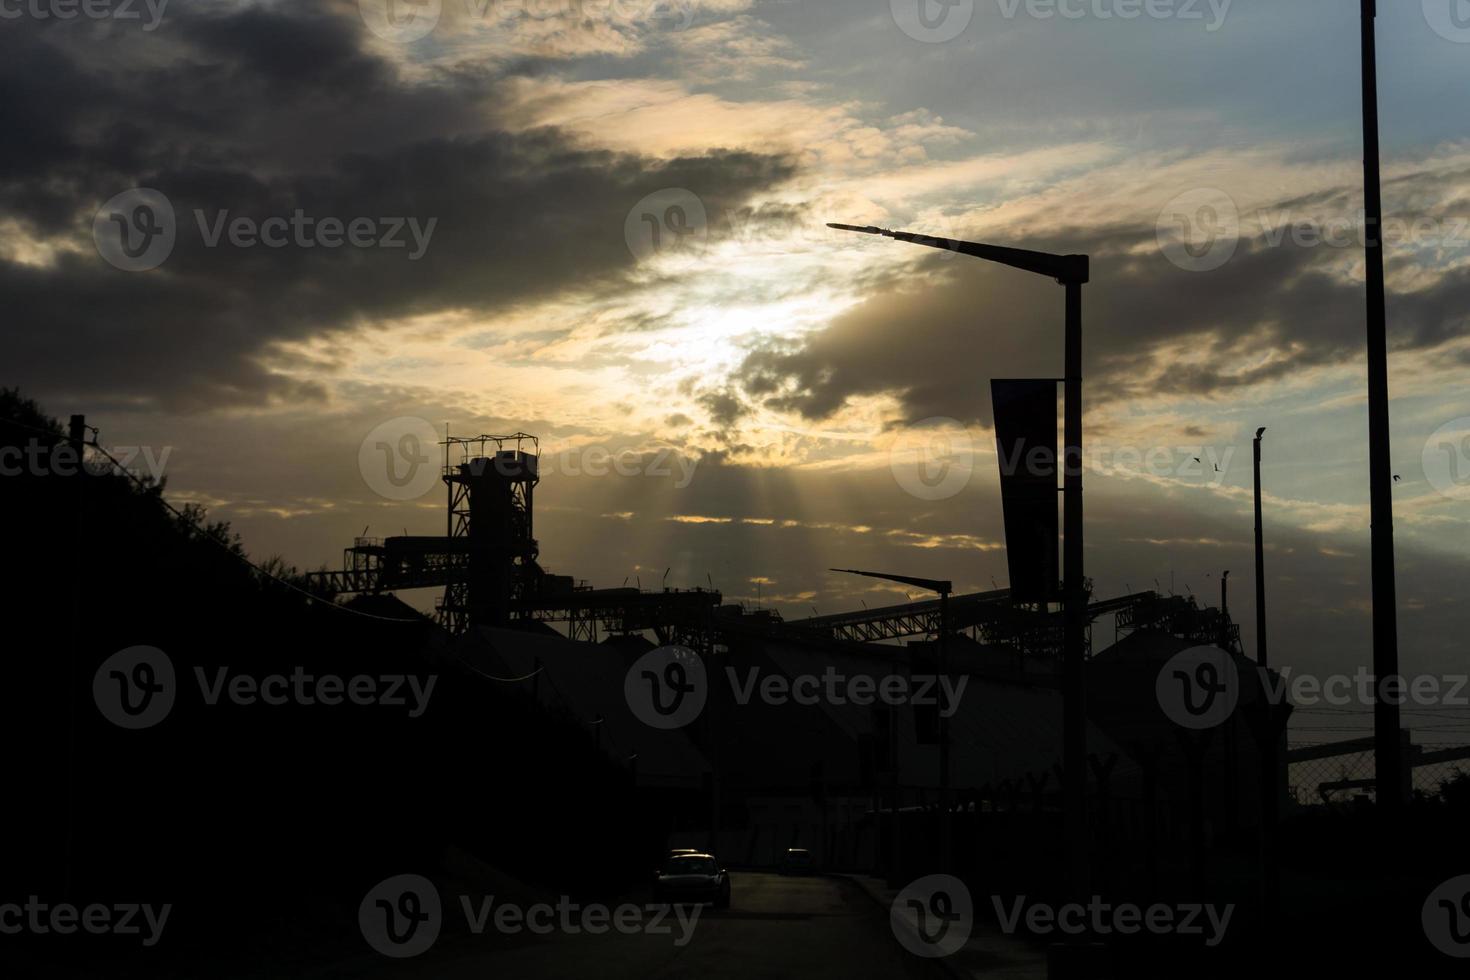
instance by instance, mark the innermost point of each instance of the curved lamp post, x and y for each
(1072, 272)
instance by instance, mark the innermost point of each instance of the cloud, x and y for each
(517, 216)
(1278, 309)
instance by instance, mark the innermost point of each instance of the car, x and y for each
(796, 861)
(694, 877)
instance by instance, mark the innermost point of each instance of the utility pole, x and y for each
(1266, 728)
(1074, 651)
(1261, 657)
(1225, 610)
(1388, 762)
(946, 833)
(77, 440)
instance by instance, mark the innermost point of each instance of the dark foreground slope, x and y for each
(261, 825)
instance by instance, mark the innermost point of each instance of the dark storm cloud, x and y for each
(936, 340)
(725, 407)
(257, 114)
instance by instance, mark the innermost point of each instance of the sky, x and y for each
(603, 223)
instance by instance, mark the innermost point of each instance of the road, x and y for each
(808, 927)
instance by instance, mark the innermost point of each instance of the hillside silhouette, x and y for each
(263, 825)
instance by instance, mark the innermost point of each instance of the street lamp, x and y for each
(1072, 272)
(944, 587)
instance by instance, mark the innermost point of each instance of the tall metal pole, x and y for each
(1268, 732)
(1261, 657)
(1388, 763)
(1074, 711)
(77, 439)
(946, 857)
(895, 870)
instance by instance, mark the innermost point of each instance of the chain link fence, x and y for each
(1340, 778)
